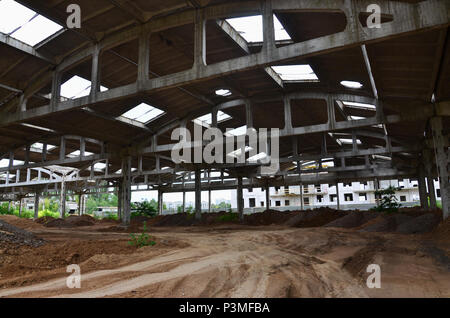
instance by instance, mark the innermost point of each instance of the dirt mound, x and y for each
(442, 232)
(381, 224)
(418, 225)
(44, 220)
(314, 218)
(353, 220)
(26, 224)
(268, 217)
(72, 221)
(12, 234)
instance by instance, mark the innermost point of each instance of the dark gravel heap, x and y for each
(11, 234)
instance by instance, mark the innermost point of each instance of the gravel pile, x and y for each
(11, 234)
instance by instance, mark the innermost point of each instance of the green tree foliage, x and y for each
(144, 208)
(100, 200)
(388, 201)
(141, 240)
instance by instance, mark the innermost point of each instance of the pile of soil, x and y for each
(353, 219)
(314, 218)
(17, 236)
(421, 224)
(268, 217)
(406, 221)
(442, 232)
(72, 221)
(45, 220)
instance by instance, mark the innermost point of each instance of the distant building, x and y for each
(355, 195)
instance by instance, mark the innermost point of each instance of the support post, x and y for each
(198, 195)
(428, 162)
(184, 202)
(441, 145)
(160, 202)
(240, 199)
(209, 201)
(267, 196)
(62, 200)
(36, 205)
(119, 200)
(302, 204)
(422, 189)
(338, 197)
(20, 207)
(126, 191)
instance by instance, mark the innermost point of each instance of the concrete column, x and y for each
(184, 202)
(267, 197)
(126, 191)
(376, 186)
(20, 207)
(62, 200)
(338, 196)
(36, 205)
(422, 190)
(431, 193)
(240, 199)
(441, 144)
(302, 204)
(80, 199)
(428, 162)
(160, 202)
(119, 200)
(209, 201)
(198, 195)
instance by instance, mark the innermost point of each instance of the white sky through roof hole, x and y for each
(24, 24)
(143, 113)
(77, 87)
(251, 28)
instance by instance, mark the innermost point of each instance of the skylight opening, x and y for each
(77, 153)
(238, 153)
(38, 127)
(39, 147)
(356, 117)
(237, 132)
(77, 87)
(99, 166)
(4, 163)
(143, 113)
(223, 92)
(24, 24)
(360, 105)
(207, 119)
(258, 157)
(345, 141)
(296, 73)
(352, 84)
(251, 28)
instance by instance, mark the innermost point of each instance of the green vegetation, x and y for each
(388, 201)
(144, 208)
(27, 214)
(100, 200)
(229, 217)
(141, 240)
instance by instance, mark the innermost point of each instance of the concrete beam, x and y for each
(434, 14)
(25, 48)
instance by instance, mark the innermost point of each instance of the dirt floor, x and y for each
(323, 253)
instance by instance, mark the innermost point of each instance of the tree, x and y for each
(389, 202)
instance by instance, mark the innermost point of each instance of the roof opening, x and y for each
(360, 105)
(207, 119)
(39, 147)
(345, 141)
(251, 28)
(296, 73)
(5, 163)
(143, 113)
(24, 24)
(77, 153)
(352, 84)
(237, 131)
(77, 87)
(223, 92)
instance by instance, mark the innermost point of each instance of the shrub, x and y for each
(229, 217)
(141, 240)
(389, 203)
(144, 208)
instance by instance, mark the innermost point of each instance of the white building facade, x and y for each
(354, 195)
